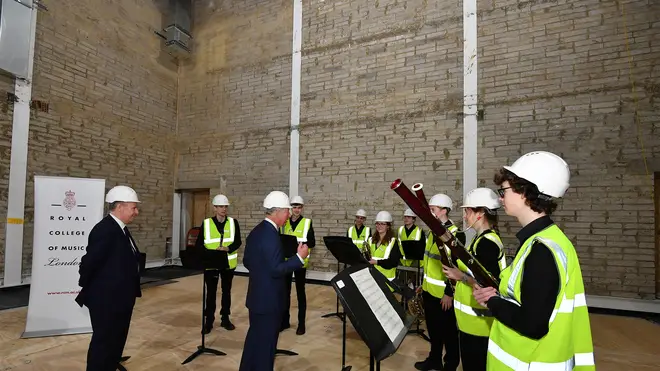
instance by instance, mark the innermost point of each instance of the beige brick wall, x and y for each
(382, 99)
(112, 110)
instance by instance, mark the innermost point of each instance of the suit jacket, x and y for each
(110, 269)
(264, 258)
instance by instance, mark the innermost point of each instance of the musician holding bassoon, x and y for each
(383, 246)
(474, 321)
(438, 296)
(541, 317)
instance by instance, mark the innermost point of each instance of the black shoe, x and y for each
(207, 328)
(226, 323)
(301, 329)
(426, 365)
(285, 326)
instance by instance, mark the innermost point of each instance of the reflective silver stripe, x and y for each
(432, 255)
(581, 359)
(518, 268)
(232, 256)
(476, 312)
(433, 281)
(568, 305)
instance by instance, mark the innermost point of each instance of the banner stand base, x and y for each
(57, 332)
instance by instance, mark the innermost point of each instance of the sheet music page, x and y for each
(380, 306)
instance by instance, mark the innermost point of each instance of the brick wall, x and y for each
(112, 110)
(382, 99)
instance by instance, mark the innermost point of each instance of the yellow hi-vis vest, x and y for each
(415, 235)
(212, 238)
(471, 317)
(300, 233)
(568, 344)
(452, 229)
(434, 278)
(382, 252)
(358, 240)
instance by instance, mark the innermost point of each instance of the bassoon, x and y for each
(480, 274)
(444, 258)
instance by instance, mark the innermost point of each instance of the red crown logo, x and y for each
(69, 193)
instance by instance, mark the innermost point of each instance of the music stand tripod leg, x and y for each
(343, 346)
(419, 331)
(201, 349)
(336, 313)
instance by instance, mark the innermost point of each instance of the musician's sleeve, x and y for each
(393, 260)
(539, 290)
(488, 253)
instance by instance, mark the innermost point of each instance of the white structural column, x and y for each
(18, 170)
(296, 64)
(470, 91)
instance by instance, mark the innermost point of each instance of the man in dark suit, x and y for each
(266, 293)
(110, 280)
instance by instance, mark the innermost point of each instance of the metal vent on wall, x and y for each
(177, 36)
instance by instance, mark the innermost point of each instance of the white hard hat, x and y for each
(441, 200)
(297, 200)
(546, 170)
(361, 213)
(384, 216)
(482, 197)
(220, 200)
(121, 194)
(409, 212)
(277, 199)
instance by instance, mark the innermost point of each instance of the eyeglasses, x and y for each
(501, 191)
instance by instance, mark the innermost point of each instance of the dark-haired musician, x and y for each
(384, 247)
(541, 317)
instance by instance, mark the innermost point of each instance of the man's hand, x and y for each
(303, 250)
(447, 302)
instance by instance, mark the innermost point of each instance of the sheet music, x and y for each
(380, 306)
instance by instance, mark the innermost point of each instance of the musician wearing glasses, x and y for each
(474, 321)
(383, 248)
(438, 295)
(540, 312)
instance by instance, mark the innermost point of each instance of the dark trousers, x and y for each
(441, 325)
(300, 292)
(211, 278)
(110, 330)
(474, 352)
(261, 342)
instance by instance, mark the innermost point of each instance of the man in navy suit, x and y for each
(110, 280)
(266, 293)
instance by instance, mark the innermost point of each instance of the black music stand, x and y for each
(376, 315)
(201, 260)
(414, 250)
(343, 249)
(290, 247)
(345, 243)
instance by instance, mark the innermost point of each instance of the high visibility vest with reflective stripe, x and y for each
(568, 344)
(212, 238)
(434, 277)
(415, 235)
(358, 240)
(300, 233)
(471, 317)
(452, 229)
(382, 252)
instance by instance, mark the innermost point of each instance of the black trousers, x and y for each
(300, 292)
(474, 351)
(110, 330)
(443, 332)
(211, 278)
(261, 342)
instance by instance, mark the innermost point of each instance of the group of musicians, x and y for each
(536, 319)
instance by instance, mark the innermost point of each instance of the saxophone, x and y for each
(416, 306)
(366, 250)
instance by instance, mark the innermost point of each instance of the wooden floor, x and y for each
(166, 324)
